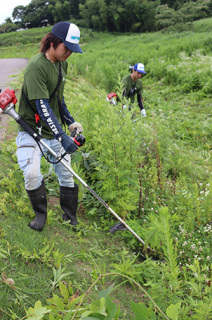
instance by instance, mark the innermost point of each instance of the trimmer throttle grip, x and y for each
(79, 140)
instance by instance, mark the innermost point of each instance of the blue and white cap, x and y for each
(69, 33)
(139, 67)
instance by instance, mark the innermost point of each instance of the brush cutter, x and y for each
(7, 106)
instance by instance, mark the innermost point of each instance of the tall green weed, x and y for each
(155, 172)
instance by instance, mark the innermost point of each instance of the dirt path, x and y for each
(9, 68)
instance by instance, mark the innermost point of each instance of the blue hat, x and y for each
(69, 33)
(139, 67)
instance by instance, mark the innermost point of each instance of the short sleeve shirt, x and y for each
(40, 80)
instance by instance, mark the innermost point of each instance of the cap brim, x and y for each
(73, 47)
(141, 72)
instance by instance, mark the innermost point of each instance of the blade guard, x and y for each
(6, 98)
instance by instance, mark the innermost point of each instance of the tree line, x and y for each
(109, 15)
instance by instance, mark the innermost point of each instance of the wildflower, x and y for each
(207, 228)
(185, 243)
(208, 258)
(200, 248)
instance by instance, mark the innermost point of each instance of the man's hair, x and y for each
(45, 43)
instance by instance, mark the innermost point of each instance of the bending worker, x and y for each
(43, 108)
(132, 85)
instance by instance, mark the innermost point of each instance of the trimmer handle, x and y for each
(79, 140)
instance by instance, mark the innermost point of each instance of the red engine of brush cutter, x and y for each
(6, 98)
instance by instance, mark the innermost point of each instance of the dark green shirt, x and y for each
(127, 83)
(40, 80)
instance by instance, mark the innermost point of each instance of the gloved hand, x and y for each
(68, 143)
(75, 128)
(143, 112)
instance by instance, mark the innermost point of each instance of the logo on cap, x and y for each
(75, 38)
(73, 34)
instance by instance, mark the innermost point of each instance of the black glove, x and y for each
(68, 143)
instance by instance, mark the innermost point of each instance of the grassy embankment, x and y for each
(171, 150)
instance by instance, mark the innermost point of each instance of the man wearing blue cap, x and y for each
(43, 108)
(132, 86)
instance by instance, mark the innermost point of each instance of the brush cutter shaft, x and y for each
(11, 112)
(115, 215)
(93, 193)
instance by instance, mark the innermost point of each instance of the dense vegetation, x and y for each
(111, 15)
(156, 172)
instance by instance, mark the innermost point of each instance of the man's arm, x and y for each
(74, 127)
(140, 101)
(141, 105)
(47, 115)
(65, 114)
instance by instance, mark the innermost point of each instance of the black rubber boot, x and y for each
(69, 202)
(39, 203)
